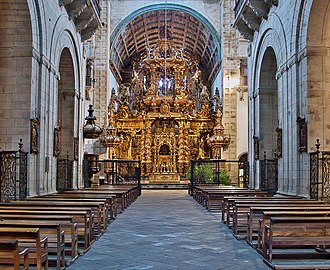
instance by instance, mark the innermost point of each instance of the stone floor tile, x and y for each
(167, 229)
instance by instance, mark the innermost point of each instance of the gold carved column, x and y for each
(148, 144)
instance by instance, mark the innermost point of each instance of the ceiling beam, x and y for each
(125, 45)
(133, 35)
(206, 45)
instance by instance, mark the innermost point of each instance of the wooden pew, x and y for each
(133, 192)
(29, 238)
(68, 226)
(12, 257)
(228, 202)
(241, 210)
(294, 233)
(256, 213)
(201, 193)
(121, 196)
(82, 218)
(267, 215)
(214, 199)
(52, 231)
(98, 209)
(87, 224)
(110, 201)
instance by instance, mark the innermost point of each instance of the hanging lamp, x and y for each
(91, 130)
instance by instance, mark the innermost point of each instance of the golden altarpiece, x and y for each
(164, 117)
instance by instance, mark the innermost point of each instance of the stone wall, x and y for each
(301, 76)
(34, 34)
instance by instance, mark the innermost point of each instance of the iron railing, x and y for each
(216, 172)
(115, 172)
(13, 175)
(319, 174)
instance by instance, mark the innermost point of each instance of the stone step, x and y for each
(164, 186)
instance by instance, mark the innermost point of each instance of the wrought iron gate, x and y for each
(320, 174)
(269, 175)
(64, 174)
(115, 172)
(216, 172)
(13, 175)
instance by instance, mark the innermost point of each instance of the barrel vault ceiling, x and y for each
(183, 29)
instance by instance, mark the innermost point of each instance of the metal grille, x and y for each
(326, 176)
(64, 174)
(216, 172)
(320, 175)
(314, 175)
(116, 172)
(13, 175)
(269, 175)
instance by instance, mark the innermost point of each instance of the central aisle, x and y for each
(167, 229)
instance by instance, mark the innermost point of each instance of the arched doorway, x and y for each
(64, 133)
(268, 121)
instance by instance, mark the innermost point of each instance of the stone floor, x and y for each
(167, 229)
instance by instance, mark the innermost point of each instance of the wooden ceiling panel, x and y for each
(185, 31)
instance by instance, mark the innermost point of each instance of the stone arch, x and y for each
(170, 6)
(203, 44)
(15, 73)
(318, 75)
(63, 38)
(64, 139)
(64, 48)
(268, 49)
(268, 103)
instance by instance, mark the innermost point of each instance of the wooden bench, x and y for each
(98, 209)
(12, 257)
(256, 213)
(197, 192)
(109, 200)
(82, 218)
(288, 233)
(203, 195)
(50, 230)
(133, 192)
(67, 225)
(267, 215)
(121, 197)
(228, 202)
(214, 199)
(241, 211)
(29, 238)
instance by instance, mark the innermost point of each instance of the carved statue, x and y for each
(205, 96)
